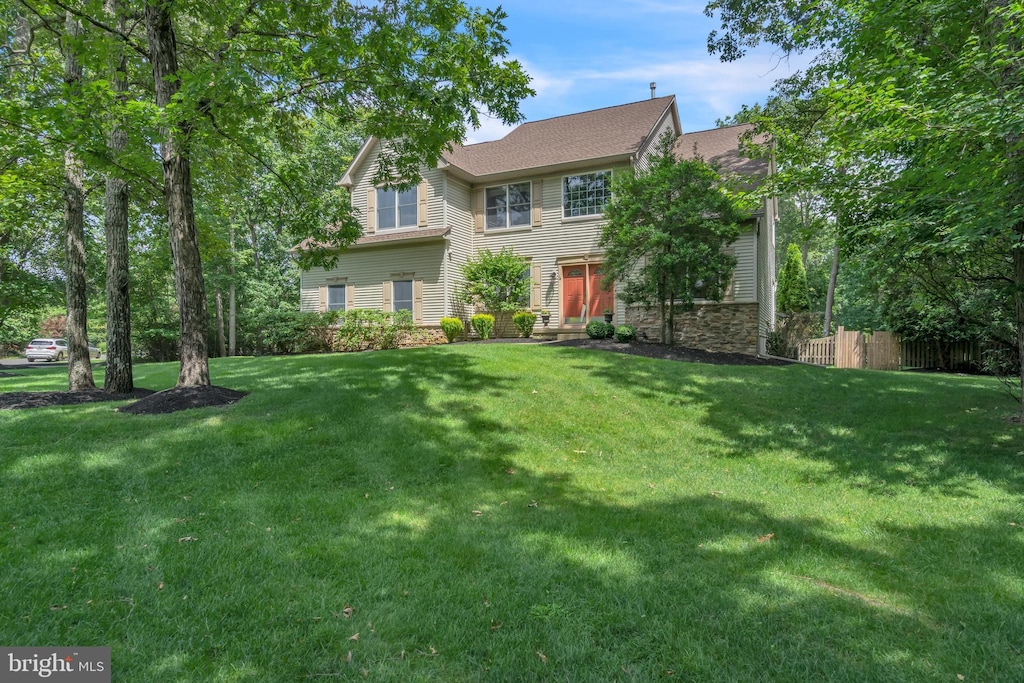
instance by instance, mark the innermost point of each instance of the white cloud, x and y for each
(490, 129)
(704, 87)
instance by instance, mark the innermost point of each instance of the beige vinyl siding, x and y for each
(667, 124)
(554, 241)
(432, 183)
(744, 277)
(460, 239)
(367, 269)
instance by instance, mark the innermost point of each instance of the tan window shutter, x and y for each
(371, 210)
(537, 197)
(387, 295)
(322, 304)
(478, 210)
(350, 296)
(535, 293)
(417, 301)
(422, 198)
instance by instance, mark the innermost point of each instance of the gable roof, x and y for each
(724, 147)
(610, 133)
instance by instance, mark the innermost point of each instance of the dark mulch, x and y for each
(678, 353)
(44, 399)
(183, 398)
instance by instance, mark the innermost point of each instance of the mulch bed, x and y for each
(664, 352)
(44, 399)
(183, 398)
(147, 401)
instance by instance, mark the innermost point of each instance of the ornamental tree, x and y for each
(666, 233)
(498, 281)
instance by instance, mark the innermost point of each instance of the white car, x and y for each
(46, 349)
(53, 349)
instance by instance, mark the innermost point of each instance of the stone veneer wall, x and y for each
(730, 328)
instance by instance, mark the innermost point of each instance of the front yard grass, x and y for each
(514, 512)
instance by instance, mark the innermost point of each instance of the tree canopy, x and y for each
(221, 85)
(921, 105)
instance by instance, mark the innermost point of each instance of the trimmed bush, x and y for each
(625, 334)
(524, 322)
(364, 328)
(281, 331)
(452, 328)
(483, 324)
(599, 329)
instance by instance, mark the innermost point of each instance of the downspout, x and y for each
(447, 240)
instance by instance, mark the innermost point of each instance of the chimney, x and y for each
(654, 86)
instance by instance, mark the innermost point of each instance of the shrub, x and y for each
(452, 328)
(483, 324)
(625, 334)
(599, 329)
(775, 343)
(364, 328)
(524, 322)
(286, 331)
(500, 281)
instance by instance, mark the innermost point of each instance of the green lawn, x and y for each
(515, 512)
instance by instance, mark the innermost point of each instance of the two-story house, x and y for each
(540, 190)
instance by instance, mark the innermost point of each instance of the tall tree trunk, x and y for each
(118, 376)
(79, 364)
(1018, 300)
(221, 345)
(231, 297)
(188, 269)
(830, 300)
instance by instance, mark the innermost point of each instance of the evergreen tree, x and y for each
(791, 296)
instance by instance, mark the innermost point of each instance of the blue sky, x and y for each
(586, 55)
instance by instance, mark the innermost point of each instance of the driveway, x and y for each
(22, 364)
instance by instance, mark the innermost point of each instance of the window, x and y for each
(585, 194)
(402, 295)
(396, 209)
(507, 206)
(335, 297)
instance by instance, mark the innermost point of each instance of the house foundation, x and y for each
(722, 327)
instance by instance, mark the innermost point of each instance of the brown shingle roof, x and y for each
(723, 147)
(610, 132)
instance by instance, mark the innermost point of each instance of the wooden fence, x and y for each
(852, 349)
(944, 356)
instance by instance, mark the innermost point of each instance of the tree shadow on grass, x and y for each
(706, 588)
(880, 431)
(224, 545)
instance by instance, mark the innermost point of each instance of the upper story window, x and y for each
(585, 194)
(507, 206)
(396, 209)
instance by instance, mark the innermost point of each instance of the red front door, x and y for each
(599, 300)
(573, 293)
(582, 296)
